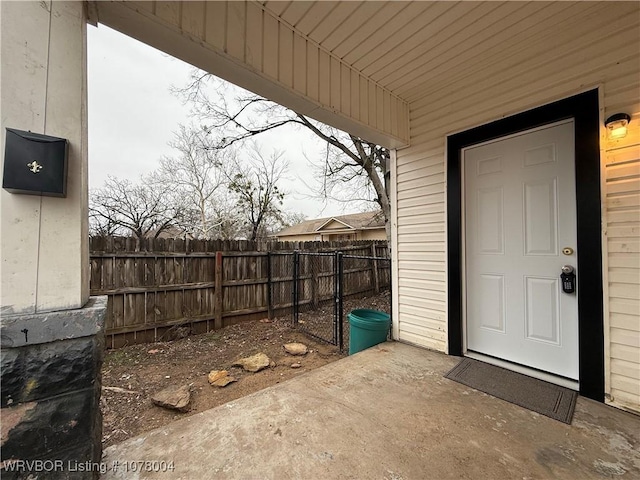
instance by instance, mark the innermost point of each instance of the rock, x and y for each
(220, 378)
(255, 363)
(296, 365)
(296, 348)
(175, 397)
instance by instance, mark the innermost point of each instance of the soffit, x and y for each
(412, 48)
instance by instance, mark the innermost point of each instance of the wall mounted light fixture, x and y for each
(617, 125)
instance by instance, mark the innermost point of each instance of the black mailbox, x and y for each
(35, 164)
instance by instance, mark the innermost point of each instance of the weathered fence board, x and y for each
(160, 289)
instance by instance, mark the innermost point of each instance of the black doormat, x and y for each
(546, 398)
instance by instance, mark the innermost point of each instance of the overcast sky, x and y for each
(132, 116)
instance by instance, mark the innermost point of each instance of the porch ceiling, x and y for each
(414, 48)
(367, 67)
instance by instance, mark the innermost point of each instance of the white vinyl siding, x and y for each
(622, 235)
(598, 51)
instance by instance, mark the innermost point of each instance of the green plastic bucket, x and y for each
(367, 328)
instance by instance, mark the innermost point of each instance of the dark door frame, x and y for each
(583, 108)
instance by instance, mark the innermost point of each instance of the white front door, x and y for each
(520, 213)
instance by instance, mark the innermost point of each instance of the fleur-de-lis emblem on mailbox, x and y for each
(34, 166)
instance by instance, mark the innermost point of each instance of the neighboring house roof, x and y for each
(354, 221)
(171, 232)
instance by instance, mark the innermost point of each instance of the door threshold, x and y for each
(531, 372)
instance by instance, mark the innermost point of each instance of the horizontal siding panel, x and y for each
(421, 191)
(624, 201)
(624, 400)
(623, 216)
(418, 238)
(417, 249)
(624, 321)
(436, 179)
(437, 266)
(415, 166)
(430, 333)
(420, 284)
(629, 338)
(624, 231)
(624, 246)
(624, 154)
(625, 290)
(627, 306)
(623, 186)
(424, 171)
(625, 368)
(437, 217)
(472, 113)
(420, 201)
(428, 150)
(623, 171)
(626, 353)
(424, 275)
(417, 229)
(424, 209)
(422, 341)
(410, 322)
(624, 275)
(626, 384)
(435, 318)
(628, 260)
(426, 294)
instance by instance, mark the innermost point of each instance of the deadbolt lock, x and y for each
(567, 251)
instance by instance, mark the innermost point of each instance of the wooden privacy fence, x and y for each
(160, 289)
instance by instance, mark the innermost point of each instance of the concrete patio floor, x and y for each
(385, 413)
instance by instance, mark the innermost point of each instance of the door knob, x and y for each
(568, 279)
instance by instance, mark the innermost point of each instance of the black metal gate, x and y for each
(322, 282)
(315, 284)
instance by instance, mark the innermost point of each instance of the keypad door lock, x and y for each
(568, 278)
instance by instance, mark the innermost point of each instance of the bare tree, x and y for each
(195, 179)
(229, 223)
(254, 182)
(122, 207)
(240, 115)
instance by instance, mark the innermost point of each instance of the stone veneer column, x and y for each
(51, 383)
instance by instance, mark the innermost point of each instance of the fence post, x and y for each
(294, 300)
(340, 316)
(269, 296)
(313, 266)
(218, 292)
(374, 270)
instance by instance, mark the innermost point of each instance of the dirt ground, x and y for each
(131, 375)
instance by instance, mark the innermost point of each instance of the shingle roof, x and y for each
(357, 221)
